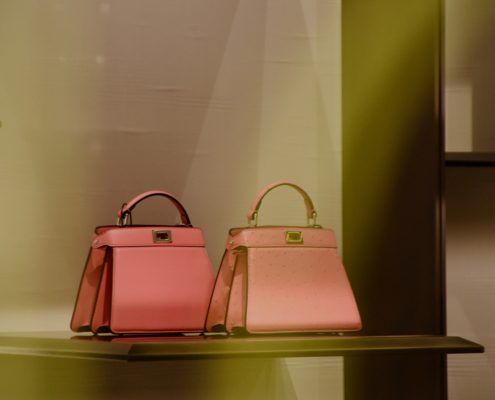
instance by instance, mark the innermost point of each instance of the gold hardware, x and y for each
(122, 221)
(293, 237)
(313, 217)
(253, 222)
(162, 236)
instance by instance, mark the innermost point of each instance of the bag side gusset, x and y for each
(217, 310)
(88, 290)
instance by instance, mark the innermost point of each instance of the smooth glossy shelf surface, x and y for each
(148, 348)
(469, 159)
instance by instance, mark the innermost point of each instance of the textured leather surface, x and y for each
(279, 285)
(129, 206)
(257, 201)
(236, 310)
(160, 289)
(220, 298)
(275, 237)
(287, 287)
(143, 236)
(299, 289)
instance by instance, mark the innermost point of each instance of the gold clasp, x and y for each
(293, 237)
(162, 236)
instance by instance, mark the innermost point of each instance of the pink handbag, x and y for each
(145, 279)
(276, 279)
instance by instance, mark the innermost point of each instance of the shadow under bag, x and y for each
(276, 279)
(145, 279)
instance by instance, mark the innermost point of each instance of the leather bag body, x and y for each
(145, 279)
(276, 279)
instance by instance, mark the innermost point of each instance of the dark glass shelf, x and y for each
(139, 348)
(469, 159)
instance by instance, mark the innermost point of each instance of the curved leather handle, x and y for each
(310, 210)
(134, 202)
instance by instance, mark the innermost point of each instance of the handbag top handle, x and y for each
(253, 211)
(134, 202)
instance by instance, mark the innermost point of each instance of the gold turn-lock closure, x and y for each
(162, 236)
(293, 237)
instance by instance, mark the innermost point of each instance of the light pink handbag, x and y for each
(145, 279)
(276, 279)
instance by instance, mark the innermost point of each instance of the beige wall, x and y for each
(210, 101)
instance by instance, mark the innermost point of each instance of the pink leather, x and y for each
(145, 287)
(83, 310)
(284, 287)
(160, 289)
(275, 237)
(129, 206)
(133, 285)
(257, 201)
(101, 313)
(236, 312)
(299, 290)
(143, 236)
(266, 285)
(221, 292)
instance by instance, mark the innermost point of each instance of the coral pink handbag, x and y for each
(275, 279)
(145, 279)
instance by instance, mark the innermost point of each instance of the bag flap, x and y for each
(149, 236)
(283, 236)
